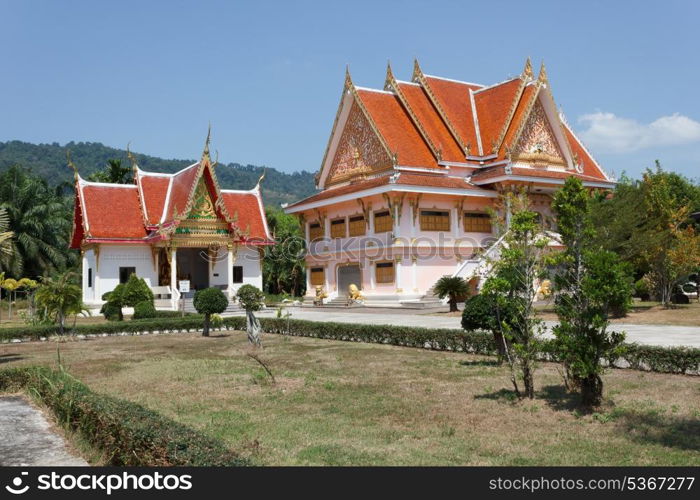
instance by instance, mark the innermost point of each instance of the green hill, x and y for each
(49, 161)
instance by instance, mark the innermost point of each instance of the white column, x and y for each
(326, 228)
(97, 293)
(414, 272)
(86, 290)
(455, 223)
(173, 269)
(229, 270)
(397, 272)
(326, 283)
(309, 286)
(372, 273)
(397, 222)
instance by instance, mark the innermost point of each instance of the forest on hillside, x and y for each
(48, 161)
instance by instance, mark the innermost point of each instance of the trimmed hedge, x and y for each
(685, 360)
(127, 433)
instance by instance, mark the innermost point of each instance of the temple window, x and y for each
(315, 231)
(384, 272)
(338, 228)
(357, 225)
(434, 220)
(477, 222)
(238, 274)
(318, 276)
(90, 277)
(125, 272)
(382, 221)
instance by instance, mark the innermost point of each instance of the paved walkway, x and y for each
(644, 334)
(27, 438)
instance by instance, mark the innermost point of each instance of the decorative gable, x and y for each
(359, 150)
(537, 142)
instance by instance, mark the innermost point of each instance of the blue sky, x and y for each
(268, 75)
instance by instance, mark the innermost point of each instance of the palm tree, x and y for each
(453, 287)
(60, 297)
(5, 235)
(40, 219)
(113, 173)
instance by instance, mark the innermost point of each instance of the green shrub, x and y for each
(136, 290)
(209, 301)
(641, 289)
(111, 311)
(127, 433)
(144, 310)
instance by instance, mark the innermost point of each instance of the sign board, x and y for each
(184, 286)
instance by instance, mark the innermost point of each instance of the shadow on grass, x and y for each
(219, 336)
(480, 362)
(660, 428)
(504, 395)
(558, 398)
(8, 358)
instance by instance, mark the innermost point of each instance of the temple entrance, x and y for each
(193, 265)
(349, 275)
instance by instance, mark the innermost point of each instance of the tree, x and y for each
(40, 219)
(60, 297)
(251, 299)
(114, 301)
(5, 235)
(284, 265)
(521, 263)
(479, 314)
(209, 301)
(672, 245)
(113, 173)
(589, 285)
(453, 287)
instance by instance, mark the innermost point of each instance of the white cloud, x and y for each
(608, 133)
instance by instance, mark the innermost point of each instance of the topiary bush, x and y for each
(209, 301)
(144, 310)
(136, 290)
(111, 311)
(251, 298)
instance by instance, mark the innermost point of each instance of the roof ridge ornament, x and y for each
(390, 79)
(527, 73)
(72, 165)
(131, 157)
(542, 78)
(416, 71)
(257, 186)
(205, 153)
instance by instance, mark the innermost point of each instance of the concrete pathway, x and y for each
(27, 438)
(662, 335)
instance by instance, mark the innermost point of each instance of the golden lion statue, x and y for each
(545, 289)
(354, 293)
(320, 295)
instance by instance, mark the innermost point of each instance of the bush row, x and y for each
(127, 433)
(642, 357)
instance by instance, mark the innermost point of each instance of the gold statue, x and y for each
(354, 293)
(320, 295)
(545, 289)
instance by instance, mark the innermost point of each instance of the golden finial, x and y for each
(216, 161)
(131, 157)
(388, 82)
(72, 165)
(205, 153)
(543, 74)
(527, 72)
(416, 70)
(257, 186)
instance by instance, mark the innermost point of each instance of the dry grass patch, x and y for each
(340, 403)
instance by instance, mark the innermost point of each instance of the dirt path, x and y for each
(27, 437)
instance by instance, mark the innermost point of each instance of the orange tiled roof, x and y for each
(132, 213)
(456, 103)
(396, 128)
(490, 173)
(493, 106)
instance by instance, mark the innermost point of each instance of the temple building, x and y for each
(411, 172)
(168, 228)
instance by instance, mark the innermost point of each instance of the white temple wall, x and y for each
(249, 259)
(112, 257)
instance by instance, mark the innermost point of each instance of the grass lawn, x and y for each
(341, 403)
